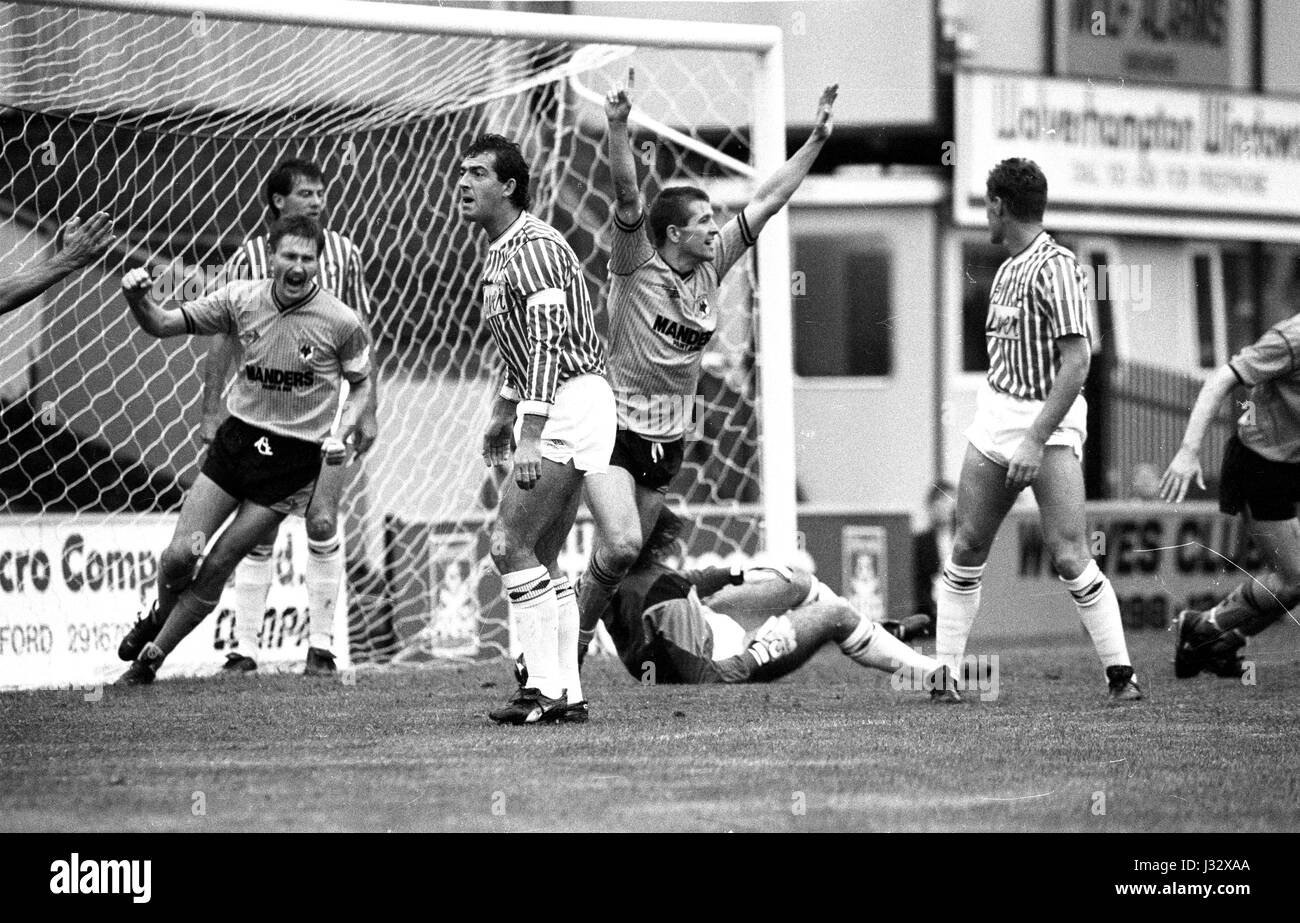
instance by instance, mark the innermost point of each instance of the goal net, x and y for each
(171, 121)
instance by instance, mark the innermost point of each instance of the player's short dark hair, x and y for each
(1022, 185)
(662, 540)
(283, 177)
(509, 162)
(670, 209)
(297, 226)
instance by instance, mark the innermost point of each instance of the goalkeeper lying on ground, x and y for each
(674, 627)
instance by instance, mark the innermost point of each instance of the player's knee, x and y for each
(505, 549)
(1069, 559)
(322, 526)
(969, 548)
(177, 561)
(621, 553)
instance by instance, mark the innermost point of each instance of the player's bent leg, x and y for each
(1213, 640)
(983, 500)
(324, 570)
(1060, 493)
(205, 508)
(525, 516)
(204, 592)
(611, 496)
(770, 591)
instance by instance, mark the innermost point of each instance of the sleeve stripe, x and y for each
(189, 321)
(745, 234)
(629, 228)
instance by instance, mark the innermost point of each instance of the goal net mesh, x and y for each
(171, 124)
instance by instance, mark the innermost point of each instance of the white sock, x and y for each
(253, 577)
(957, 599)
(568, 637)
(1094, 597)
(532, 601)
(872, 646)
(324, 576)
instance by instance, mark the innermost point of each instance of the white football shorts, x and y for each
(581, 426)
(728, 634)
(1001, 422)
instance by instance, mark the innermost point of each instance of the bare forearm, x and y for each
(17, 290)
(359, 397)
(1208, 401)
(1065, 389)
(775, 191)
(147, 313)
(622, 165)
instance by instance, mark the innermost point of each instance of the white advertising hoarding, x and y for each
(1136, 159)
(72, 586)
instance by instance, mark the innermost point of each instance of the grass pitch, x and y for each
(833, 747)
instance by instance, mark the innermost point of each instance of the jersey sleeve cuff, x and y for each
(748, 236)
(537, 408)
(508, 393)
(629, 228)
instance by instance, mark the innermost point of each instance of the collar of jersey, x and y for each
(286, 308)
(508, 232)
(677, 275)
(1032, 245)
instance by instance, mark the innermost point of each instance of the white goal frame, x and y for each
(774, 345)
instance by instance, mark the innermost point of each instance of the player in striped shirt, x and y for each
(662, 300)
(556, 407)
(1260, 481)
(295, 187)
(300, 345)
(1029, 427)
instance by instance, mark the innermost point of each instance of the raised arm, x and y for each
(776, 190)
(622, 162)
(154, 319)
(82, 245)
(1186, 463)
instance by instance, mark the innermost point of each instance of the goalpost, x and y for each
(169, 115)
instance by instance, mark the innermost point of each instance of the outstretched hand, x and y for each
(1178, 477)
(618, 106)
(824, 123)
(85, 243)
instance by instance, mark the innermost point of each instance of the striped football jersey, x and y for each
(659, 324)
(295, 359)
(1038, 296)
(536, 305)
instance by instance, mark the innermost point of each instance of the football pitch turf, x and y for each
(832, 748)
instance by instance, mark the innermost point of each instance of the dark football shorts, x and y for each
(1249, 481)
(252, 464)
(653, 465)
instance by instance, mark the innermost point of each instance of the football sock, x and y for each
(585, 638)
(958, 600)
(531, 600)
(253, 578)
(597, 587)
(324, 576)
(1248, 608)
(1098, 607)
(169, 591)
(185, 616)
(872, 646)
(568, 637)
